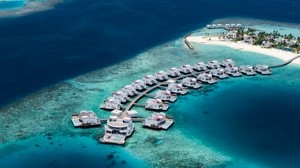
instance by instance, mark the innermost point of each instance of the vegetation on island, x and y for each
(268, 40)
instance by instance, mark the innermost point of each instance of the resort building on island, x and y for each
(85, 119)
(129, 90)
(200, 66)
(173, 72)
(150, 80)
(158, 121)
(156, 104)
(139, 85)
(191, 83)
(117, 130)
(165, 95)
(185, 69)
(111, 103)
(161, 75)
(177, 88)
(206, 78)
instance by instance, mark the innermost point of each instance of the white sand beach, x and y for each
(281, 54)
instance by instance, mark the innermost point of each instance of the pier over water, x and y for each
(285, 63)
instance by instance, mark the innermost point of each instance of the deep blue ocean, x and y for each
(79, 36)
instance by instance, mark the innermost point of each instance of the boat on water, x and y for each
(139, 85)
(165, 95)
(233, 71)
(158, 121)
(214, 64)
(177, 88)
(150, 80)
(111, 103)
(161, 75)
(191, 83)
(117, 130)
(263, 69)
(85, 119)
(186, 69)
(129, 90)
(227, 63)
(156, 104)
(247, 69)
(206, 78)
(173, 72)
(220, 73)
(200, 66)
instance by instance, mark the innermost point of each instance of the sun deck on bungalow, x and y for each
(220, 73)
(263, 69)
(139, 85)
(161, 76)
(129, 90)
(165, 95)
(111, 103)
(158, 121)
(85, 119)
(233, 71)
(206, 78)
(173, 72)
(177, 88)
(214, 64)
(150, 80)
(191, 82)
(247, 69)
(156, 104)
(186, 69)
(200, 66)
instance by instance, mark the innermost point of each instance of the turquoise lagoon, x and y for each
(12, 4)
(239, 122)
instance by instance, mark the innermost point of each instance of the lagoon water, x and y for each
(239, 122)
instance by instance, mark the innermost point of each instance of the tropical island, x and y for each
(282, 46)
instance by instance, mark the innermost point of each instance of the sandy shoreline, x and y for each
(283, 55)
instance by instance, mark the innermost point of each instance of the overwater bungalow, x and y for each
(200, 66)
(206, 78)
(150, 80)
(117, 130)
(111, 103)
(161, 76)
(129, 90)
(165, 95)
(263, 69)
(228, 63)
(156, 104)
(247, 69)
(220, 73)
(85, 119)
(132, 113)
(173, 72)
(158, 121)
(191, 83)
(116, 112)
(121, 95)
(139, 85)
(177, 88)
(185, 69)
(214, 64)
(233, 71)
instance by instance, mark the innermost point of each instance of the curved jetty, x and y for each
(285, 63)
(167, 86)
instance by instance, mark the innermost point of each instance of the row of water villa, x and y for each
(223, 26)
(167, 85)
